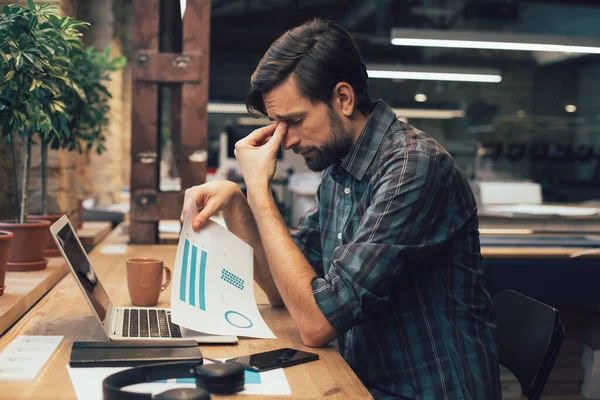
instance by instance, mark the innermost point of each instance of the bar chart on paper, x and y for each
(213, 290)
(193, 270)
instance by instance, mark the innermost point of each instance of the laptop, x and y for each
(120, 323)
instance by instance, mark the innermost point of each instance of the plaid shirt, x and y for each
(394, 240)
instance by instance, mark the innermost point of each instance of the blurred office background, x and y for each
(535, 118)
(537, 125)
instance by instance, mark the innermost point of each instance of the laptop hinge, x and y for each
(116, 322)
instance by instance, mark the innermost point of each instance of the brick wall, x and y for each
(103, 173)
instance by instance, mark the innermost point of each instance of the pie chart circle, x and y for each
(238, 320)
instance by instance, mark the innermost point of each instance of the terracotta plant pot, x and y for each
(51, 249)
(5, 238)
(26, 252)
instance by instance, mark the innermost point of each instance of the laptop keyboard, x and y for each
(149, 323)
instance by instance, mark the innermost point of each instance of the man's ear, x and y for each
(344, 98)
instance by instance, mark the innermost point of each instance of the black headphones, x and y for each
(222, 378)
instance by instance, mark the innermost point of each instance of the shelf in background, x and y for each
(93, 232)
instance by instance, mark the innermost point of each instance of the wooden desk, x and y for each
(64, 312)
(24, 289)
(93, 232)
(540, 252)
(539, 223)
(553, 275)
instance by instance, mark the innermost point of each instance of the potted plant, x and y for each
(90, 113)
(85, 116)
(34, 48)
(5, 239)
(67, 58)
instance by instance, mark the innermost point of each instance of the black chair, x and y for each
(528, 336)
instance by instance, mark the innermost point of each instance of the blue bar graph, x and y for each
(202, 276)
(188, 293)
(193, 266)
(184, 264)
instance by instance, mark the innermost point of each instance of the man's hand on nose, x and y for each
(257, 154)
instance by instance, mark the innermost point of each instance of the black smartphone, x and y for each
(274, 359)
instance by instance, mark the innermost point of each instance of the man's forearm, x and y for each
(290, 270)
(240, 221)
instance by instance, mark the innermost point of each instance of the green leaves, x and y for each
(18, 62)
(38, 78)
(91, 107)
(118, 63)
(9, 75)
(50, 85)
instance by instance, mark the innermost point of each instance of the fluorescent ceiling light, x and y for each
(494, 41)
(420, 97)
(434, 74)
(426, 113)
(227, 108)
(570, 108)
(400, 112)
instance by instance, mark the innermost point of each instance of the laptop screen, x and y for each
(84, 271)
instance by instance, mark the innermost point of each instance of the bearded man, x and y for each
(388, 260)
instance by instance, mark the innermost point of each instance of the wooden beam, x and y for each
(144, 117)
(143, 232)
(152, 205)
(144, 139)
(194, 110)
(189, 116)
(169, 67)
(145, 25)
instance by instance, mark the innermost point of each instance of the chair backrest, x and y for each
(528, 337)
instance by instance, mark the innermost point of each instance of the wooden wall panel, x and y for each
(188, 121)
(194, 112)
(144, 120)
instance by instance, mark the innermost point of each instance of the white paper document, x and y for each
(87, 383)
(213, 283)
(25, 357)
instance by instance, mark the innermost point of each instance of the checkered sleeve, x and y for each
(308, 237)
(408, 215)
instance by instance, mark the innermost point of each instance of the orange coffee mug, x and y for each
(145, 280)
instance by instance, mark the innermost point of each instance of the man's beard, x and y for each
(336, 148)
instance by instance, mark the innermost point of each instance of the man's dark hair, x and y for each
(319, 54)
